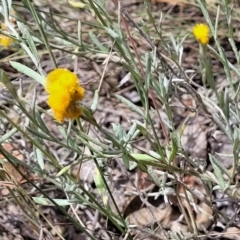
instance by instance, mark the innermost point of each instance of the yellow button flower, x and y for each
(201, 33)
(64, 92)
(5, 41)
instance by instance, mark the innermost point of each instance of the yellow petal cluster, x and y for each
(64, 93)
(5, 41)
(201, 33)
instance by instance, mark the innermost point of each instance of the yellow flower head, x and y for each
(5, 41)
(201, 33)
(64, 92)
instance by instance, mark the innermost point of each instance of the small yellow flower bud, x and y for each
(5, 41)
(201, 33)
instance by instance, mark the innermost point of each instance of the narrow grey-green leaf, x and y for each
(95, 101)
(220, 166)
(126, 160)
(39, 134)
(132, 132)
(63, 170)
(28, 72)
(130, 105)
(112, 33)
(218, 172)
(59, 202)
(30, 41)
(98, 180)
(96, 42)
(174, 147)
(8, 84)
(39, 157)
(7, 135)
(148, 71)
